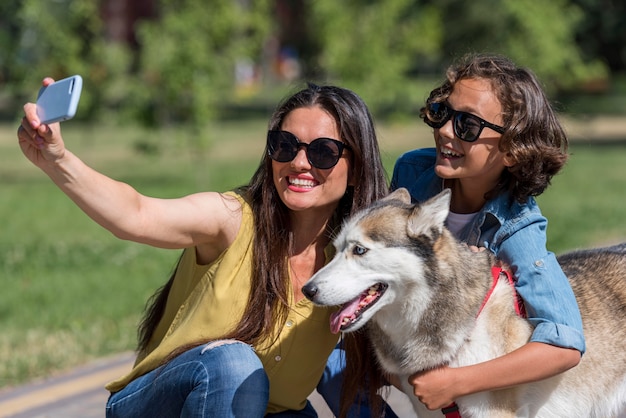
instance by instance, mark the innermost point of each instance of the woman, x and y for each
(230, 334)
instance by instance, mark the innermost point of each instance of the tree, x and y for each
(372, 46)
(602, 32)
(9, 33)
(188, 57)
(377, 47)
(538, 34)
(59, 39)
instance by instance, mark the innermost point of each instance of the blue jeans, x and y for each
(329, 387)
(219, 379)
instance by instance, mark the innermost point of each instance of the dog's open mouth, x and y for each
(350, 312)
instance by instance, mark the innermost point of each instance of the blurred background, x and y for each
(162, 62)
(176, 98)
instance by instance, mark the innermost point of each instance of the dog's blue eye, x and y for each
(358, 250)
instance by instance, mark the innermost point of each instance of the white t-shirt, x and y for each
(457, 221)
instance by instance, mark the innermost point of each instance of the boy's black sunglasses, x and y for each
(467, 127)
(323, 153)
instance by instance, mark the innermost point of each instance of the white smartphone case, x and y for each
(59, 101)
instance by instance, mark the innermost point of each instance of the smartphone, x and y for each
(58, 101)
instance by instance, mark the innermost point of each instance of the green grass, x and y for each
(72, 292)
(585, 204)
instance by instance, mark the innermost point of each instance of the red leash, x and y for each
(452, 410)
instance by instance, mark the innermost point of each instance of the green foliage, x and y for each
(183, 71)
(371, 46)
(9, 32)
(188, 57)
(601, 33)
(543, 38)
(59, 36)
(537, 34)
(62, 38)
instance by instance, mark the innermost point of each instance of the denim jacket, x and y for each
(516, 233)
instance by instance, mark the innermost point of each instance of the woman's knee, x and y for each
(236, 376)
(234, 360)
(222, 376)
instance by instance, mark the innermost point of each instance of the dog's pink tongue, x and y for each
(346, 311)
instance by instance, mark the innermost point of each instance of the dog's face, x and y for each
(381, 254)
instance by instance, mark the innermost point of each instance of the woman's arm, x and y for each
(203, 218)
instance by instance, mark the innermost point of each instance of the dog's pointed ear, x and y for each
(429, 217)
(400, 194)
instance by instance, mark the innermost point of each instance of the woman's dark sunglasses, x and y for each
(323, 153)
(467, 127)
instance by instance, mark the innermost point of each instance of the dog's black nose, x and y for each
(309, 291)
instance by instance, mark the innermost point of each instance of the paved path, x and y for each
(80, 393)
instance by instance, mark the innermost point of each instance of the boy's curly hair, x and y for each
(533, 138)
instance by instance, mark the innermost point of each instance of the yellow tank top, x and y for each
(206, 301)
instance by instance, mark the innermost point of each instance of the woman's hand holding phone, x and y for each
(41, 142)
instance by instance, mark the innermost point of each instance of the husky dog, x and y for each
(421, 296)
